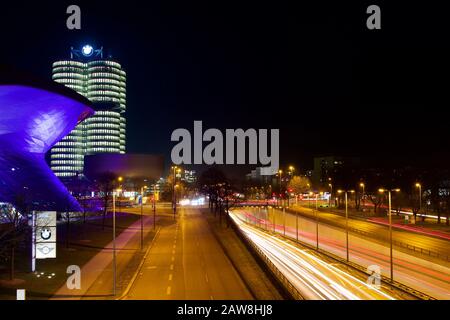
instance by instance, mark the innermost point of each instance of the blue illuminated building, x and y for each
(35, 115)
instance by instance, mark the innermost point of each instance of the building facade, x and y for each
(35, 115)
(103, 82)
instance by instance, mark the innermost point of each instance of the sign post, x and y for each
(44, 235)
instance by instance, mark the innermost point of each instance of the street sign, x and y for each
(45, 235)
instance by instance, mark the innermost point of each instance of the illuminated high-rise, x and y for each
(103, 82)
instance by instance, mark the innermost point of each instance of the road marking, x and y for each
(174, 246)
(173, 258)
(170, 277)
(173, 251)
(212, 298)
(150, 267)
(206, 277)
(169, 289)
(171, 267)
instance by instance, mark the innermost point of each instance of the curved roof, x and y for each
(35, 114)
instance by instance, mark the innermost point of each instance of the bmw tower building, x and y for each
(102, 81)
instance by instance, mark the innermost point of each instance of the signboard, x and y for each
(45, 235)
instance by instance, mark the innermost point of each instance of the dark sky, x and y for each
(314, 71)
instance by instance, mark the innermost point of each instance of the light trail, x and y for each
(314, 278)
(432, 277)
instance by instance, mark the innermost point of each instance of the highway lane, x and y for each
(416, 272)
(186, 262)
(437, 245)
(315, 278)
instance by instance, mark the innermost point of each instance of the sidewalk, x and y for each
(96, 266)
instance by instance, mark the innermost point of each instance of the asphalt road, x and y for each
(185, 262)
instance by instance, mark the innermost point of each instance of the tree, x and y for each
(208, 183)
(377, 200)
(299, 184)
(14, 230)
(106, 183)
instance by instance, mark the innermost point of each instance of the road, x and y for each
(430, 277)
(417, 240)
(186, 262)
(315, 278)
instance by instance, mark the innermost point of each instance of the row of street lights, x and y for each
(346, 192)
(381, 190)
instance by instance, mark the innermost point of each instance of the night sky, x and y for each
(314, 71)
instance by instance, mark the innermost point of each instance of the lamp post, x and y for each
(279, 190)
(154, 206)
(142, 215)
(346, 218)
(317, 220)
(114, 239)
(291, 175)
(331, 194)
(174, 168)
(390, 227)
(419, 186)
(363, 186)
(175, 201)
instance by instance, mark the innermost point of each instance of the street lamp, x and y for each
(291, 174)
(419, 186)
(346, 218)
(114, 238)
(390, 226)
(331, 194)
(280, 172)
(174, 177)
(309, 195)
(142, 215)
(175, 200)
(363, 186)
(154, 206)
(317, 220)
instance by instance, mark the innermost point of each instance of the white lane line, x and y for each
(171, 267)
(170, 277)
(169, 289)
(173, 251)
(173, 258)
(206, 277)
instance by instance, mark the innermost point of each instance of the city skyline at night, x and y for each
(221, 160)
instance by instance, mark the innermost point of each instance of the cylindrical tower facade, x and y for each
(106, 89)
(102, 81)
(66, 159)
